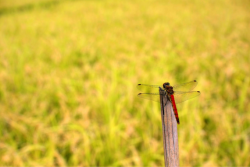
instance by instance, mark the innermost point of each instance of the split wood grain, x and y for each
(170, 133)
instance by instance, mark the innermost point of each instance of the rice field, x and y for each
(69, 71)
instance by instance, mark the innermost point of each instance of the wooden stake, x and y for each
(170, 135)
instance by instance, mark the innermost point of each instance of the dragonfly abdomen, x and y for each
(175, 109)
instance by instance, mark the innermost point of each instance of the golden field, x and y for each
(69, 71)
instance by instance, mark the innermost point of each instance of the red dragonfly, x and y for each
(175, 94)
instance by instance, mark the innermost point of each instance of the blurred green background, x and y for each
(69, 71)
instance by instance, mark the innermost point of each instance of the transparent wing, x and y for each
(148, 88)
(188, 86)
(183, 96)
(150, 96)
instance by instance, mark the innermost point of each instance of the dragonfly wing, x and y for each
(185, 86)
(183, 96)
(150, 96)
(148, 88)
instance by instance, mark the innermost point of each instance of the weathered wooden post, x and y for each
(170, 135)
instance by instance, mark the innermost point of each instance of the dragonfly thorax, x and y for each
(169, 90)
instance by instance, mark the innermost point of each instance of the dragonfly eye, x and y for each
(166, 84)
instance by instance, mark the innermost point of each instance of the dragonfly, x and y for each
(175, 94)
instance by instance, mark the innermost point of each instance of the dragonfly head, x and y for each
(166, 84)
